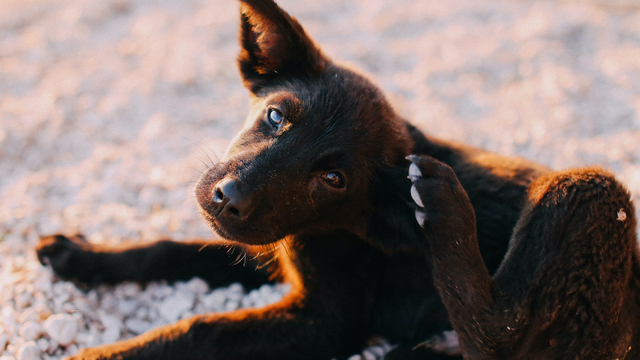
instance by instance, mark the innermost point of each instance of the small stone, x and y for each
(43, 344)
(53, 347)
(43, 285)
(128, 290)
(112, 327)
(235, 292)
(215, 300)
(198, 286)
(59, 301)
(30, 330)
(355, 357)
(4, 340)
(128, 307)
(137, 326)
(173, 306)
(160, 291)
(72, 349)
(142, 313)
(62, 328)
(246, 302)
(43, 310)
(29, 314)
(29, 351)
(231, 305)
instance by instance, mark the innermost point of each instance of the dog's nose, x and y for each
(228, 201)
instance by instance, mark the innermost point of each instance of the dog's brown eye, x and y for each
(334, 178)
(275, 117)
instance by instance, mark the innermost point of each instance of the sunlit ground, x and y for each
(107, 109)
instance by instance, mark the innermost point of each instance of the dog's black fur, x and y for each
(528, 263)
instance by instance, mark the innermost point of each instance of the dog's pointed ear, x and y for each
(274, 45)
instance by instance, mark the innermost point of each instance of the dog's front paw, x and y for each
(67, 255)
(441, 201)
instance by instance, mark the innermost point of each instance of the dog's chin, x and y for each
(245, 236)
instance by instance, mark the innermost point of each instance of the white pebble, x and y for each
(137, 326)
(43, 310)
(197, 286)
(128, 290)
(4, 340)
(62, 328)
(59, 301)
(53, 347)
(112, 327)
(43, 344)
(235, 292)
(355, 357)
(44, 285)
(173, 306)
(30, 330)
(72, 349)
(215, 300)
(231, 305)
(29, 314)
(29, 351)
(128, 307)
(161, 291)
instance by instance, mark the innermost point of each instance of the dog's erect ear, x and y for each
(274, 45)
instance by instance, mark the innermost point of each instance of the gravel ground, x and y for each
(108, 110)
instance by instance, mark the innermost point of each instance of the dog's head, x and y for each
(315, 137)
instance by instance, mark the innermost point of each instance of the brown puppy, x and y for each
(316, 183)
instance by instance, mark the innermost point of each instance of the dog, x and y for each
(381, 230)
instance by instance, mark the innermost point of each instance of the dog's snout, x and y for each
(228, 200)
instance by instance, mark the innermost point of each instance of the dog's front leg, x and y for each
(448, 220)
(76, 259)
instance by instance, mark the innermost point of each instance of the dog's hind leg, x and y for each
(75, 258)
(568, 285)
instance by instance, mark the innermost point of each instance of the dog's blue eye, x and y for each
(275, 117)
(334, 178)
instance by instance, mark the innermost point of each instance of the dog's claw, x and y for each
(420, 217)
(416, 197)
(414, 171)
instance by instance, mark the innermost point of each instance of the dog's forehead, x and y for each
(329, 98)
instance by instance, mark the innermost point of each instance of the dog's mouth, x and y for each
(230, 214)
(244, 231)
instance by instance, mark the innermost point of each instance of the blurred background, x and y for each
(109, 110)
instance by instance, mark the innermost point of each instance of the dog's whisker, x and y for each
(207, 155)
(261, 266)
